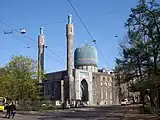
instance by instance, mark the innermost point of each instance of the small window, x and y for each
(71, 30)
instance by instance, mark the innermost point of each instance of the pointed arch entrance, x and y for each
(84, 89)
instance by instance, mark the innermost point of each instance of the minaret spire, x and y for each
(70, 60)
(69, 19)
(40, 55)
(41, 30)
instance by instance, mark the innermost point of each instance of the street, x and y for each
(116, 112)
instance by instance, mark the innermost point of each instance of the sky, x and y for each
(104, 19)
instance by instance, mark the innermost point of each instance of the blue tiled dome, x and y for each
(85, 55)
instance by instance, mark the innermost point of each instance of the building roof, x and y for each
(59, 75)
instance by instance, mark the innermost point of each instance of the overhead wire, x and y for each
(93, 40)
(80, 19)
(22, 41)
(102, 54)
(36, 49)
(55, 54)
(12, 28)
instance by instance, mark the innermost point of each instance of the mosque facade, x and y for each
(82, 80)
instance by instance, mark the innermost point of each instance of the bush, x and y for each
(37, 105)
(50, 107)
(144, 110)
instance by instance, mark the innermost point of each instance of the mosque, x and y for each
(82, 80)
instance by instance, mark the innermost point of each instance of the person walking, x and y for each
(12, 109)
(8, 108)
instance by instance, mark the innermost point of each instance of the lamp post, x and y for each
(21, 30)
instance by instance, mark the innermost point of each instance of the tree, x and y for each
(140, 60)
(19, 82)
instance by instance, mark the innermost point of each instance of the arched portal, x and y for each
(84, 89)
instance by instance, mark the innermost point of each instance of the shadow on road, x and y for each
(116, 112)
(95, 113)
(135, 114)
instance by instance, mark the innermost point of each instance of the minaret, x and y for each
(70, 60)
(40, 55)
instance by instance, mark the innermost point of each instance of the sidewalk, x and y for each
(134, 114)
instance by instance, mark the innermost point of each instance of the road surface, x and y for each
(116, 112)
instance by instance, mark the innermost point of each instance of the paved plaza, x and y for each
(116, 112)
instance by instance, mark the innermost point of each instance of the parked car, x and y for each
(125, 102)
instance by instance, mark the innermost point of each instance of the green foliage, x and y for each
(19, 82)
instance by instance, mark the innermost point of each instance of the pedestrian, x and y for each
(63, 105)
(13, 110)
(8, 108)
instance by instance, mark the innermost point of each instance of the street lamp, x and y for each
(21, 30)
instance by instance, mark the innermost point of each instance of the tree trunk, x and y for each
(142, 96)
(151, 98)
(158, 98)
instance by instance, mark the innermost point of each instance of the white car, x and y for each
(125, 102)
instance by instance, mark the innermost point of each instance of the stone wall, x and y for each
(104, 90)
(96, 89)
(52, 85)
(101, 86)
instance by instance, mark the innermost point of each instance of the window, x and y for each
(48, 92)
(70, 29)
(102, 93)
